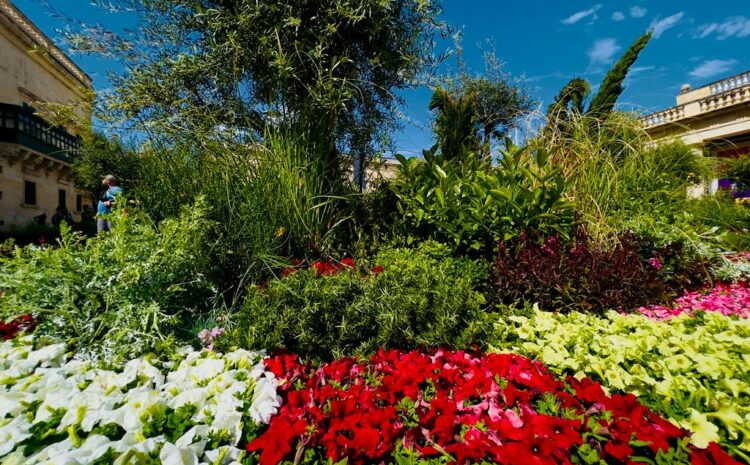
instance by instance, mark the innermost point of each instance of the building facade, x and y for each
(714, 118)
(35, 158)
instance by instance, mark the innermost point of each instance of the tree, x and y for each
(478, 109)
(612, 86)
(201, 65)
(456, 122)
(573, 96)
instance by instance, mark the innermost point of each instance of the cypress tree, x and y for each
(605, 100)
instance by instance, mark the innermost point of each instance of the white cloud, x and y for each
(640, 69)
(660, 26)
(638, 11)
(618, 16)
(575, 17)
(603, 50)
(736, 26)
(713, 68)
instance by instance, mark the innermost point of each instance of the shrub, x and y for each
(418, 297)
(470, 203)
(739, 170)
(693, 370)
(618, 174)
(567, 275)
(117, 294)
(730, 220)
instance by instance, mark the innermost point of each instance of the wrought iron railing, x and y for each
(19, 125)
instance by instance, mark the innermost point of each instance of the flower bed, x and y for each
(692, 370)
(57, 410)
(457, 407)
(728, 299)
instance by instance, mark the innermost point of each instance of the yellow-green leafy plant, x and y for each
(692, 370)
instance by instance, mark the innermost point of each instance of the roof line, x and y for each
(38, 37)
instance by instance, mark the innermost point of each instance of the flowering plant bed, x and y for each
(693, 370)
(464, 408)
(728, 299)
(57, 410)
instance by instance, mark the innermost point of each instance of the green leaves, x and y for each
(473, 204)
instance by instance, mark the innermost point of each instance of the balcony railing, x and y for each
(731, 83)
(664, 117)
(19, 125)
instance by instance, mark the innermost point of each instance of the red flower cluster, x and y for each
(25, 323)
(499, 408)
(325, 267)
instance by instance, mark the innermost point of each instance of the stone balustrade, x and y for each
(725, 99)
(734, 82)
(719, 95)
(664, 117)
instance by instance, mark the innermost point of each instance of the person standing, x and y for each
(106, 202)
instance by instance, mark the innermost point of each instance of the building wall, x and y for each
(28, 73)
(13, 175)
(32, 70)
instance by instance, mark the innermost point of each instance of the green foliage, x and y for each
(283, 195)
(487, 105)
(118, 294)
(420, 298)
(455, 124)
(208, 63)
(572, 98)
(730, 220)
(739, 170)
(471, 203)
(617, 175)
(693, 370)
(612, 86)
(100, 156)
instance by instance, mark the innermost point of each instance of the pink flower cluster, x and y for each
(727, 299)
(208, 336)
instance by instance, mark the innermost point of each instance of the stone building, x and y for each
(714, 118)
(35, 158)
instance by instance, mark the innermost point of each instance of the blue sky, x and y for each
(548, 42)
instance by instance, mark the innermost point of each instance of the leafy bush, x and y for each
(739, 170)
(472, 204)
(693, 370)
(577, 274)
(414, 297)
(730, 220)
(117, 294)
(617, 174)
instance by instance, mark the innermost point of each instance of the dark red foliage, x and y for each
(576, 275)
(25, 323)
(499, 408)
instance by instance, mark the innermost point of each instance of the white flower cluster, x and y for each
(63, 411)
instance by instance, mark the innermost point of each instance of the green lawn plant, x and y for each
(692, 370)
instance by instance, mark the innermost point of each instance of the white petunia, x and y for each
(48, 355)
(172, 455)
(265, 401)
(12, 433)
